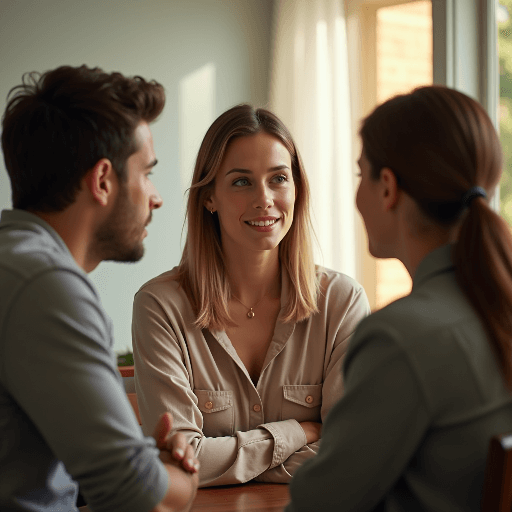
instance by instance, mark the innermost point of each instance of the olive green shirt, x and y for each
(423, 396)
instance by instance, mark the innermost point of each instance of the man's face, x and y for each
(121, 235)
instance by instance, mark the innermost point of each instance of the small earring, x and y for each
(211, 211)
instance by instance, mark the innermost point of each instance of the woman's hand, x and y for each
(312, 429)
(174, 449)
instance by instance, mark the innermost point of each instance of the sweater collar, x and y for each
(16, 216)
(436, 262)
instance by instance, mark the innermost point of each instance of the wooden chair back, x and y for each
(129, 372)
(133, 400)
(497, 493)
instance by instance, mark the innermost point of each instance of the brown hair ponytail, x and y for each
(440, 144)
(484, 271)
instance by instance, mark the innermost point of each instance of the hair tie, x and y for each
(471, 194)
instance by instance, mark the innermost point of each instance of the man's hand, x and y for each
(181, 465)
(174, 449)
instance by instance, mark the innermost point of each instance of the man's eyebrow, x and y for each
(247, 171)
(152, 164)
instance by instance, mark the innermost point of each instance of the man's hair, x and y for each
(58, 124)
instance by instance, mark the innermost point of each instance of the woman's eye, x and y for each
(280, 179)
(241, 182)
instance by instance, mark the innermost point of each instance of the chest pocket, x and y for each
(301, 402)
(218, 412)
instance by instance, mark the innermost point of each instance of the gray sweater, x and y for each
(64, 415)
(423, 396)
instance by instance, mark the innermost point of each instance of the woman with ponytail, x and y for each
(428, 378)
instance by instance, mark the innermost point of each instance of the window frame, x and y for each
(458, 27)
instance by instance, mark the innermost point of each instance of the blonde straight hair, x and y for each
(201, 271)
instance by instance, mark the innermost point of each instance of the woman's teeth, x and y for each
(261, 222)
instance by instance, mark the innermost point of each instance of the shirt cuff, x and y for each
(288, 438)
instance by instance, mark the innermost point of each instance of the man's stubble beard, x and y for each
(119, 238)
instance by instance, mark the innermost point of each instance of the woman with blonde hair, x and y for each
(243, 341)
(428, 378)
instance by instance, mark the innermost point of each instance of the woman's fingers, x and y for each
(182, 452)
(189, 460)
(176, 445)
(312, 429)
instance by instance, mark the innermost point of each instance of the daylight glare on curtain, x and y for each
(310, 92)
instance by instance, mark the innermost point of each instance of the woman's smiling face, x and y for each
(254, 193)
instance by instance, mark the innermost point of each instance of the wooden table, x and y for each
(251, 497)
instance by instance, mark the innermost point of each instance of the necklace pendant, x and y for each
(250, 313)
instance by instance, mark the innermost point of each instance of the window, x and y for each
(404, 61)
(462, 39)
(397, 58)
(504, 23)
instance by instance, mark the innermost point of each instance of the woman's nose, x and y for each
(263, 198)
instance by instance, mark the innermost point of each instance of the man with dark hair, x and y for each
(79, 152)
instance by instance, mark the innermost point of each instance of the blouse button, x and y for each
(309, 399)
(209, 405)
(256, 408)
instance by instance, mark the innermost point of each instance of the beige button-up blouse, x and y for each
(242, 431)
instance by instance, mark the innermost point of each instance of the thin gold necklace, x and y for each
(250, 314)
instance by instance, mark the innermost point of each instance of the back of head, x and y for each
(58, 124)
(202, 255)
(446, 154)
(439, 143)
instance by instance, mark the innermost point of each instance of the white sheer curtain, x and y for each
(310, 93)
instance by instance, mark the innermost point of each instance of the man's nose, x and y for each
(155, 200)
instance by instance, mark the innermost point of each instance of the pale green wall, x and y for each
(216, 51)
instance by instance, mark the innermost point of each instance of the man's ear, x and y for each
(390, 189)
(102, 181)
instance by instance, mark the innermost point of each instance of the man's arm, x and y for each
(180, 492)
(59, 368)
(181, 465)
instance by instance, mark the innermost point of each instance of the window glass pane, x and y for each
(505, 117)
(404, 61)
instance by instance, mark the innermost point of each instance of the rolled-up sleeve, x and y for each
(343, 322)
